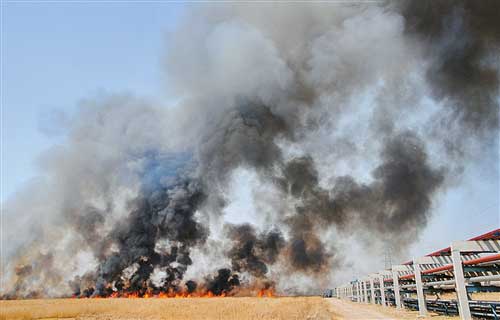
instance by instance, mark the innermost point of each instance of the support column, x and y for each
(358, 291)
(355, 289)
(460, 288)
(372, 291)
(395, 284)
(365, 293)
(422, 308)
(382, 289)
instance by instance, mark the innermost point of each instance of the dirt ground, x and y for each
(363, 311)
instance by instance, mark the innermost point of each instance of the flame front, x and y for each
(161, 295)
(266, 293)
(262, 293)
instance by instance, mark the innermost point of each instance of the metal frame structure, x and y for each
(464, 267)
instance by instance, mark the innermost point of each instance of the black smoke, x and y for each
(164, 215)
(223, 283)
(398, 198)
(253, 252)
(462, 39)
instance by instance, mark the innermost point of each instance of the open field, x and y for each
(300, 308)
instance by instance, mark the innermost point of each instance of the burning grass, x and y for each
(244, 292)
(243, 308)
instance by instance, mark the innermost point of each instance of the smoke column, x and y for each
(349, 117)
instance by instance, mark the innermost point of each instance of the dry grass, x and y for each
(487, 296)
(300, 308)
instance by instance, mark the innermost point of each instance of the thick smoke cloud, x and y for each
(244, 136)
(223, 283)
(252, 252)
(462, 38)
(401, 193)
(166, 214)
(336, 119)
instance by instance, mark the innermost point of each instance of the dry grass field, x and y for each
(241, 308)
(300, 308)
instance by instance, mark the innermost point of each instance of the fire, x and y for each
(132, 295)
(262, 293)
(265, 293)
(161, 295)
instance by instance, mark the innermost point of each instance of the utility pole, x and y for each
(387, 256)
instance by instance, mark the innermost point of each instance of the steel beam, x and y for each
(476, 246)
(495, 277)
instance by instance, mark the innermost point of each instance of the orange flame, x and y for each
(269, 293)
(161, 295)
(262, 293)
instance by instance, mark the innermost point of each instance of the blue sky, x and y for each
(80, 49)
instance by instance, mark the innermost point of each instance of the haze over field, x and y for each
(302, 134)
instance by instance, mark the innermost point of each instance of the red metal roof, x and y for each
(492, 235)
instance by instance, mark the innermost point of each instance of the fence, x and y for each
(464, 267)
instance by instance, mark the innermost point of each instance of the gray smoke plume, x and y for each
(344, 114)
